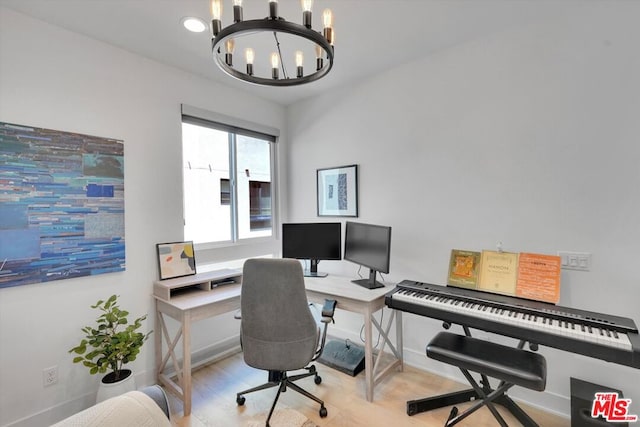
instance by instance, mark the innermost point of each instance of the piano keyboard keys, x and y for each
(525, 320)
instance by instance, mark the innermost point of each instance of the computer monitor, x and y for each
(313, 241)
(369, 246)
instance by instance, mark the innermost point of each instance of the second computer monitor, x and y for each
(369, 246)
(312, 241)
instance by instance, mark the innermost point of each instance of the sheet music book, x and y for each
(539, 277)
(463, 269)
(498, 272)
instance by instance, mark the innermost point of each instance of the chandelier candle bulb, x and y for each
(237, 10)
(249, 55)
(228, 57)
(216, 13)
(306, 12)
(274, 65)
(319, 61)
(299, 63)
(327, 19)
(273, 9)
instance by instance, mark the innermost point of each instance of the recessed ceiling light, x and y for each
(194, 24)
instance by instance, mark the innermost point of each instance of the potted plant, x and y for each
(109, 345)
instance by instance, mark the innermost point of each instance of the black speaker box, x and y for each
(582, 395)
(344, 356)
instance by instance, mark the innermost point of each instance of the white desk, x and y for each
(203, 303)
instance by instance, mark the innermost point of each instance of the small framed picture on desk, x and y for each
(338, 191)
(176, 259)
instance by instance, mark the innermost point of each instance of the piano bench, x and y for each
(509, 364)
(512, 366)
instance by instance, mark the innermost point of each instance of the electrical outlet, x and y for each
(50, 376)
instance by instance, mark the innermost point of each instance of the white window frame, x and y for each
(234, 125)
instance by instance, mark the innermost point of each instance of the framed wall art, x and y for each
(337, 191)
(176, 259)
(61, 207)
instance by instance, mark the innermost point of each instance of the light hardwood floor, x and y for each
(215, 387)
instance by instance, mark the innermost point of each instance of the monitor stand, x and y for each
(313, 269)
(314, 274)
(370, 283)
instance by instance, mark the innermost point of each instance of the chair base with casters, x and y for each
(283, 381)
(512, 366)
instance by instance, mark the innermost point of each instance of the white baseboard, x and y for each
(56, 413)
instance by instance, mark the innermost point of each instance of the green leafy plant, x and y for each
(113, 343)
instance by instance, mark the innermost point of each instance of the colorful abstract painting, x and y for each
(176, 259)
(61, 205)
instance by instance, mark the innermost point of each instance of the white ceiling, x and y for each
(371, 35)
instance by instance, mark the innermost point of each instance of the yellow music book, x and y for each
(463, 269)
(498, 272)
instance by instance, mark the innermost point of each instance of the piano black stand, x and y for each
(512, 366)
(463, 396)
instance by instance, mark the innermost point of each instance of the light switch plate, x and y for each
(575, 260)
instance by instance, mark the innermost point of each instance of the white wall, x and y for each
(56, 79)
(528, 137)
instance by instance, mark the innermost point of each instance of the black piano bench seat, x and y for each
(512, 366)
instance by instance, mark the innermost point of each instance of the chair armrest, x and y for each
(328, 309)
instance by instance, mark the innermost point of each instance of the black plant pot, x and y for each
(110, 378)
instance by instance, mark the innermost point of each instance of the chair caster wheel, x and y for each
(240, 400)
(323, 412)
(317, 379)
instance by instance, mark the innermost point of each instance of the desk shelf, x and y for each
(197, 283)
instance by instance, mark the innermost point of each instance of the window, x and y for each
(227, 173)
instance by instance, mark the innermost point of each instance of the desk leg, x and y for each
(186, 365)
(378, 374)
(368, 354)
(181, 387)
(157, 338)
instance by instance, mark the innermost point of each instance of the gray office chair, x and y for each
(278, 330)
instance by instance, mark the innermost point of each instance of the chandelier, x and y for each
(274, 43)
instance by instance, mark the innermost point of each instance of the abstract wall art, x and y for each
(337, 191)
(61, 205)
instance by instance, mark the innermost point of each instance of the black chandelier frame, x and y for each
(275, 25)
